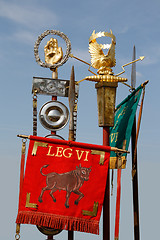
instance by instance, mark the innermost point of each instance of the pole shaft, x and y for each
(106, 204)
(135, 184)
(54, 98)
(70, 235)
(50, 237)
(71, 131)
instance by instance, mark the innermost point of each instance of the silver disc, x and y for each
(54, 115)
(54, 136)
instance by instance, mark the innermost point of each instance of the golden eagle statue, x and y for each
(102, 62)
(99, 60)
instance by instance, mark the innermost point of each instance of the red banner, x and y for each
(64, 185)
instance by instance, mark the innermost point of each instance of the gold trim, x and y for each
(105, 78)
(23, 148)
(91, 213)
(34, 103)
(124, 144)
(28, 204)
(101, 34)
(102, 155)
(36, 145)
(18, 228)
(114, 160)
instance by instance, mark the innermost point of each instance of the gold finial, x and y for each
(99, 60)
(53, 53)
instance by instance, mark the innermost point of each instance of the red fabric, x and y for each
(118, 204)
(57, 161)
(71, 143)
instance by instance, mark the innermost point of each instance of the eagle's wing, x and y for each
(111, 53)
(96, 54)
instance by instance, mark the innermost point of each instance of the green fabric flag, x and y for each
(120, 133)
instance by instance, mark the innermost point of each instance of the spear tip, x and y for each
(142, 57)
(72, 74)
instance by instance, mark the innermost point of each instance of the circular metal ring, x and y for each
(54, 115)
(17, 236)
(48, 231)
(37, 43)
(24, 140)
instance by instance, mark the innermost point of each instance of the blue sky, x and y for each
(133, 23)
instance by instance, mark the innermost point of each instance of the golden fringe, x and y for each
(58, 222)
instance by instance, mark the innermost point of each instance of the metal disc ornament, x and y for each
(63, 60)
(54, 115)
(54, 136)
(48, 231)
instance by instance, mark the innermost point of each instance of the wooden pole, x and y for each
(70, 235)
(135, 171)
(106, 204)
(134, 159)
(135, 184)
(50, 237)
(71, 124)
(54, 98)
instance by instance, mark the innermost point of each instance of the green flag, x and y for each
(120, 133)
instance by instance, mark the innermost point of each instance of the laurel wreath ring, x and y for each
(37, 43)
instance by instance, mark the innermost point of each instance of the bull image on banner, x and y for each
(64, 185)
(68, 181)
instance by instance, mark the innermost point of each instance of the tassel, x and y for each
(58, 222)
